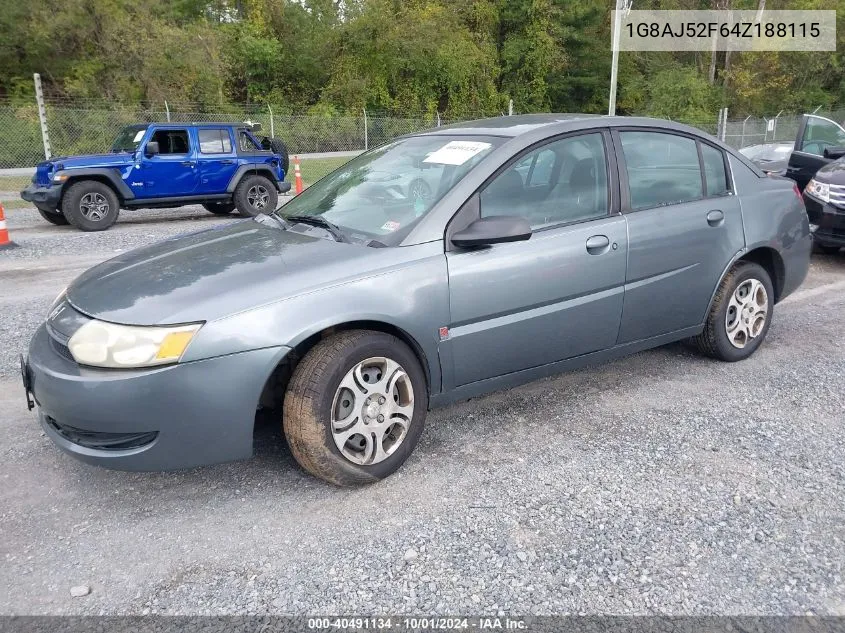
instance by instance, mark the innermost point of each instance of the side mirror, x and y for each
(151, 149)
(834, 153)
(493, 230)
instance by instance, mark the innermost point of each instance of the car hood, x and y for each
(833, 173)
(215, 273)
(94, 160)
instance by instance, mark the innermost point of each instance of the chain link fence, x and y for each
(90, 127)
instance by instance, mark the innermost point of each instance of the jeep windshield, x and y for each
(381, 194)
(129, 138)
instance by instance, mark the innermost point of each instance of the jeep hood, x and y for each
(95, 160)
(216, 273)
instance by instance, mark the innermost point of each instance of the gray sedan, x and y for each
(547, 242)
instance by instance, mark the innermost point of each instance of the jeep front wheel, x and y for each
(254, 195)
(90, 206)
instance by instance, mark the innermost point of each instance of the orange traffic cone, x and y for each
(297, 181)
(5, 242)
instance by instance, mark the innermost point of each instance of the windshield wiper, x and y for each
(315, 220)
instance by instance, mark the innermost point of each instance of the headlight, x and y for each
(820, 190)
(104, 344)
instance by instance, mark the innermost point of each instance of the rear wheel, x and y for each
(219, 208)
(355, 407)
(254, 195)
(53, 217)
(90, 205)
(740, 315)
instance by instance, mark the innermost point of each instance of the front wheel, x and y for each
(254, 195)
(355, 407)
(90, 205)
(740, 315)
(219, 208)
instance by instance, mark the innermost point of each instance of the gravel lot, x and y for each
(662, 483)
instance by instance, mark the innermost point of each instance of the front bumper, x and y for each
(829, 219)
(163, 418)
(43, 197)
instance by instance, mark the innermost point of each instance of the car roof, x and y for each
(518, 125)
(192, 124)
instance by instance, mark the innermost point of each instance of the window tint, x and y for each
(819, 134)
(172, 141)
(662, 168)
(214, 141)
(563, 181)
(245, 143)
(714, 171)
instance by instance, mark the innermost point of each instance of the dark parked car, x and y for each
(825, 200)
(549, 242)
(771, 158)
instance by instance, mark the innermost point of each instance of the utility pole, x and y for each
(42, 116)
(622, 6)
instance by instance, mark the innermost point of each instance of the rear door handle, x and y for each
(597, 244)
(227, 161)
(715, 217)
(188, 163)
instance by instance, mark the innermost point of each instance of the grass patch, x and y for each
(315, 168)
(14, 183)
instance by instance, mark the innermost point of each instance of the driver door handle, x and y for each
(597, 244)
(188, 163)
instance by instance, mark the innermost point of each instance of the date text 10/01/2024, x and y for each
(417, 623)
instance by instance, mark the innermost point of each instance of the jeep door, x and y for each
(217, 160)
(684, 227)
(523, 304)
(815, 135)
(172, 172)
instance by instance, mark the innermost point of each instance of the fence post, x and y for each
(725, 125)
(775, 128)
(438, 119)
(510, 107)
(272, 127)
(167, 110)
(817, 109)
(742, 138)
(42, 116)
(366, 142)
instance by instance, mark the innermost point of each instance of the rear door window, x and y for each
(214, 141)
(714, 170)
(662, 168)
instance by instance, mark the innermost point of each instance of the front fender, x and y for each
(112, 175)
(412, 298)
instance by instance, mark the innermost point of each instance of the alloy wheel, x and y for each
(257, 197)
(747, 312)
(372, 411)
(94, 206)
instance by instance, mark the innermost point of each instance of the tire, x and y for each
(716, 339)
(314, 408)
(825, 249)
(100, 201)
(277, 146)
(419, 188)
(252, 189)
(219, 208)
(53, 217)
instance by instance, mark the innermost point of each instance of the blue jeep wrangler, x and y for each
(222, 166)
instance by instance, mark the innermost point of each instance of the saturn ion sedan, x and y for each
(547, 242)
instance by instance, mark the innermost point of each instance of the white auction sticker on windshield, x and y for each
(456, 152)
(138, 136)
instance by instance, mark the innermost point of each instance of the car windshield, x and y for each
(129, 138)
(382, 193)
